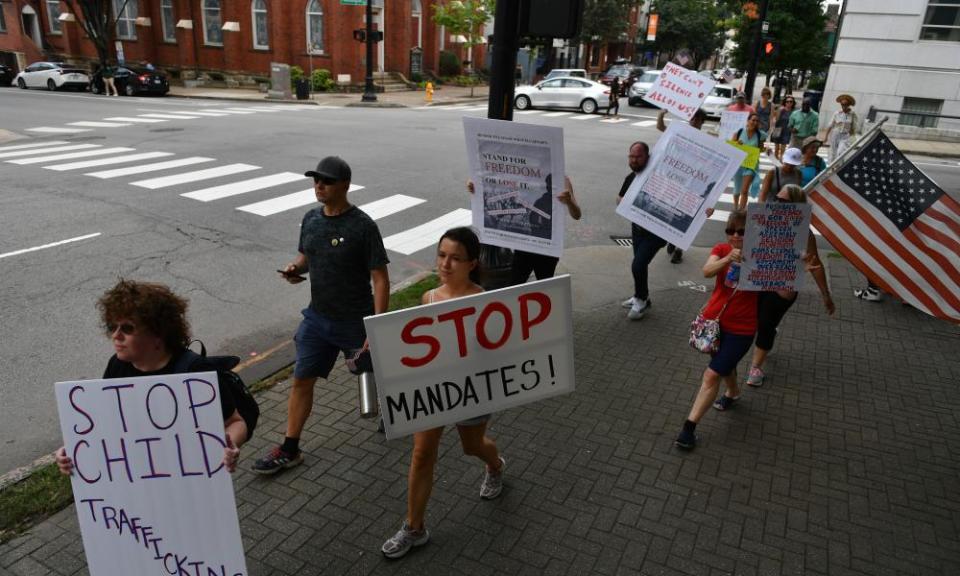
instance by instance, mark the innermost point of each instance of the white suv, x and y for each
(52, 76)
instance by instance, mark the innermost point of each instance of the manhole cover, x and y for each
(625, 241)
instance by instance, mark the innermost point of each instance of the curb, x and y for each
(238, 99)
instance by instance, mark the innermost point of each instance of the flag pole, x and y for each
(839, 161)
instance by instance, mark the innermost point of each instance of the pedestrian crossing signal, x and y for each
(771, 48)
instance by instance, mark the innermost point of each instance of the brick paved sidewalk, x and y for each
(846, 462)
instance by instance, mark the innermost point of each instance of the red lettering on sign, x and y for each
(482, 325)
(408, 338)
(525, 322)
(457, 316)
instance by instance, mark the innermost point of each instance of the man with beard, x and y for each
(645, 243)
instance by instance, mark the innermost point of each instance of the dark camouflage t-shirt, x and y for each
(341, 251)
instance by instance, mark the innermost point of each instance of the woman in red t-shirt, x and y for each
(737, 313)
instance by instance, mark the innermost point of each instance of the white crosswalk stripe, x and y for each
(584, 117)
(557, 114)
(170, 116)
(108, 161)
(143, 168)
(239, 111)
(70, 156)
(614, 120)
(645, 123)
(390, 205)
(200, 113)
(236, 188)
(288, 202)
(195, 176)
(134, 120)
(56, 130)
(91, 124)
(424, 235)
(32, 145)
(524, 112)
(32, 151)
(475, 108)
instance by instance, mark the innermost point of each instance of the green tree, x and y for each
(465, 18)
(604, 21)
(98, 20)
(798, 25)
(692, 24)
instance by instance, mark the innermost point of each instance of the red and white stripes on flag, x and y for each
(912, 255)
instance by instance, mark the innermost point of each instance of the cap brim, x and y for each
(315, 174)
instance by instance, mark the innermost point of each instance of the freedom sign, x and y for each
(151, 491)
(775, 241)
(450, 361)
(679, 91)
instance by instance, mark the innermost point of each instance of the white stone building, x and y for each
(901, 55)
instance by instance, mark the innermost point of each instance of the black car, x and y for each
(6, 75)
(132, 81)
(627, 73)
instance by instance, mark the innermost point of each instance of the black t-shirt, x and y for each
(341, 251)
(117, 368)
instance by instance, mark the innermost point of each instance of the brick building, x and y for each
(237, 39)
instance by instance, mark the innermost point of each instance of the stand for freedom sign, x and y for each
(679, 91)
(151, 492)
(773, 246)
(446, 362)
(686, 174)
(517, 171)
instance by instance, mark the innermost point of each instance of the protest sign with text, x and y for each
(446, 362)
(679, 91)
(774, 245)
(687, 172)
(151, 491)
(730, 123)
(518, 172)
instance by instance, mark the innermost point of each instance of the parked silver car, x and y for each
(564, 92)
(640, 87)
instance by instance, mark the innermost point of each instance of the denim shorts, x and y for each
(320, 340)
(733, 347)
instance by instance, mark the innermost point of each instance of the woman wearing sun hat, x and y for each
(843, 126)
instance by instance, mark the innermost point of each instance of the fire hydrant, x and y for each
(429, 92)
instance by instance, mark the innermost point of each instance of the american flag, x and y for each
(895, 225)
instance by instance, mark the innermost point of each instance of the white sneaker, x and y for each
(639, 309)
(869, 294)
(628, 303)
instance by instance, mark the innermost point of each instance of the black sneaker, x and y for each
(276, 460)
(686, 440)
(725, 403)
(670, 248)
(677, 256)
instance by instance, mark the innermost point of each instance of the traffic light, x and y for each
(771, 48)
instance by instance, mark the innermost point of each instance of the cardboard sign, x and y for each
(517, 172)
(454, 360)
(679, 91)
(773, 246)
(731, 122)
(686, 173)
(752, 157)
(151, 492)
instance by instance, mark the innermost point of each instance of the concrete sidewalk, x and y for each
(845, 462)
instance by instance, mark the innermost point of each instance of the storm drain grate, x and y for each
(624, 241)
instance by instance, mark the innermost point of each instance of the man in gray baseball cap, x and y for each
(342, 250)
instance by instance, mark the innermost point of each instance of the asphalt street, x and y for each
(207, 196)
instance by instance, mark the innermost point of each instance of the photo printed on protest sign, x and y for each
(151, 491)
(517, 171)
(687, 172)
(447, 362)
(774, 245)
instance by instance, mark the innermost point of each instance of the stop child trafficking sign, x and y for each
(679, 91)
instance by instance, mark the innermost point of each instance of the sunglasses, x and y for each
(125, 328)
(324, 180)
(737, 231)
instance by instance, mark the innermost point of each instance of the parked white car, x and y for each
(717, 101)
(52, 76)
(640, 87)
(564, 92)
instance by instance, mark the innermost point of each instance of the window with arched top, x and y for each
(212, 23)
(261, 37)
(315, 26)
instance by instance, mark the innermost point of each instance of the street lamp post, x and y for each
(369, 92)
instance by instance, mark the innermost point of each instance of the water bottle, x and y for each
(360, 364)
(733, 275)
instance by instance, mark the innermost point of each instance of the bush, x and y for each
(416, 77)
(296, 73)
(449, 64)
(321, 80)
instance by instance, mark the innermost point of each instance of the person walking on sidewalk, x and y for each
(843, 127)
(780, 176)
(764, 108)
(614, 104)
(148, 326)
(803, 123)
(740, 104)
(341, 248)
(780, 136)
(458, 265)
(812, 164)
(746, 181)
(645, 244)
(737, 313)
(773, 305)
(696, 121)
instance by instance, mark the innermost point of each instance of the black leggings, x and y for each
(771, 307)
(524, 263)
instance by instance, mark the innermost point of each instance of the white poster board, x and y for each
(687, 172)
(446, 362)
(151, 492)
(773, 246)
(679, 91)
(517, 171)
(730, 122)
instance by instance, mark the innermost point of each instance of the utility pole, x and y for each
(369, 91)
(506, 28)
(757, 42)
